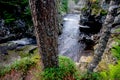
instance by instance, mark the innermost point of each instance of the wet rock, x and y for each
(15, 30)
(94, 24)
(3, 50)
(19, 23)
(24, 41)
(7, 38)
(89, 43)
(31, 49)
(3, 30)
(16, 45)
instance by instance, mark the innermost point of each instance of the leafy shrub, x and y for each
(66, 67)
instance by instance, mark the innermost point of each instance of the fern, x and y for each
(116, 49)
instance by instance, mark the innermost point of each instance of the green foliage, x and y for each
(66, 67)
(8, 17)
(63, 6)
(91, 76)
(103, 12)
(117, 30)
(95, 5)
(116, 49)
(84, 9)
(104, 75)
(14, 9)
(95, 8)
(113, 73)
(22, 64)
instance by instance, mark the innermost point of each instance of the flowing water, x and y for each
(69, 44)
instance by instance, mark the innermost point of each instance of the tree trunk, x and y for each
(104, 36)
(44, 15)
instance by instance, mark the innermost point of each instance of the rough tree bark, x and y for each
(109, 21)
(44, 15)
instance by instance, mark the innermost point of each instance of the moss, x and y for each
(25, 51)
(95, 8)
(103, 12)
(95, 11)
(84, 9)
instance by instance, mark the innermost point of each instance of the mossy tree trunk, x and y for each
(107, 26)
(44, 15)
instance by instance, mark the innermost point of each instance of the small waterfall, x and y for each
(69, 40)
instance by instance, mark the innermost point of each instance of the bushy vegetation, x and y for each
(66, 68)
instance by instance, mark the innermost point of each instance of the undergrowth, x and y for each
(63, 6)
(113, 73)
(116, 49)
(66, 68)
(23, 64)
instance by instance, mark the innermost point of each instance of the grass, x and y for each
(23, 64)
